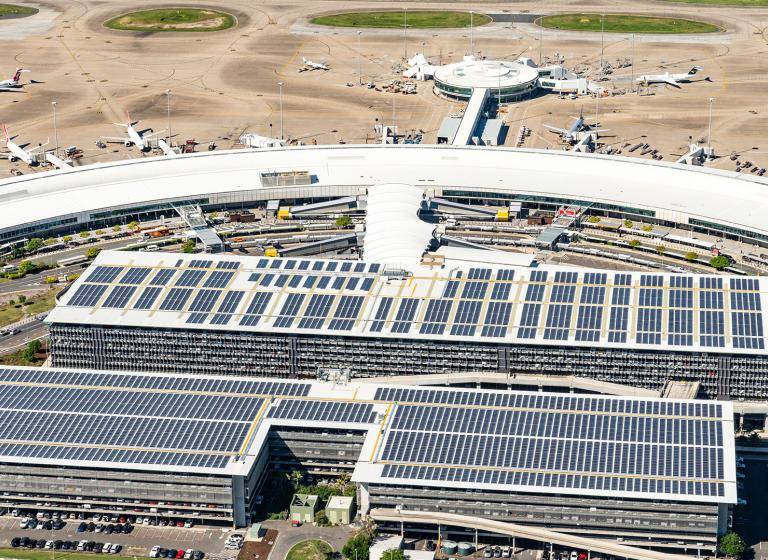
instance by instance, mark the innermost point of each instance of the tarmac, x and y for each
(225, 83)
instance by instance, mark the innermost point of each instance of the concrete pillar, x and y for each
(364, 498)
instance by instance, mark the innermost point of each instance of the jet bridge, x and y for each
(195, 219)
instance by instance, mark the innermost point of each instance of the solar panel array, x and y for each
(323, 411)
(124, 418)
(550, 441)
(502, 305)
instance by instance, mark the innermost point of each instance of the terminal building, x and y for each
(178, 446)
(296, 317)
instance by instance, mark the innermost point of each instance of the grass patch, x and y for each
(417, 19)
(620, 23)
(39, 303)
(310, 550)
(25, 554)
(13, 11)
(172, 19)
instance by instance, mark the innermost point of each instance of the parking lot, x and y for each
(209, 540)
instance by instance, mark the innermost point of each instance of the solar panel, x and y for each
(87, 295)
(317, 310)
(228, 265)
(323, 411)
(405, 314)
(437, 315)
(467, 315)
(288, 313)
(162, 277)
(204, 300)
(529, 320)
(218, 279)
(256, 308)
(385, 304)
(119, 296)
(190, 278)
(147, 298)
(200, 263)
(346, 313)
(135, 275)
(104, 274)
(497, 319)
(175, 299)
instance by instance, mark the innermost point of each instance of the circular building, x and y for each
(511, 81)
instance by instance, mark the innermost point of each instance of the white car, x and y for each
(24, 523)
(154, 552)
(115, 548)
(187, 524)
(188, 554)
(106, 548)
(81, 545)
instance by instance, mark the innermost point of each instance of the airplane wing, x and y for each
(39, 147)
(13, 89)
(671, 82)
(112, 139)
(555, 129)
(153, 135)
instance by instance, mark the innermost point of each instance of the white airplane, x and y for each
(14, 83)
(673, 80)
(310, 65)
(138, 138)
(576, 130)
(18, 152)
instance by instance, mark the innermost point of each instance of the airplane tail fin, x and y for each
(17, 74)
(5, 134)
(692, 71)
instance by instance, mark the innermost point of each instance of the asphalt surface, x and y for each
(138, 543)
(33, 330)
(751, 520)
(289, 536)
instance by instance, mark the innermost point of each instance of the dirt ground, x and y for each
(225, 83)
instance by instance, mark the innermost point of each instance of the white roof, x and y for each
(394, 234)
(486, 74)
(669, 191)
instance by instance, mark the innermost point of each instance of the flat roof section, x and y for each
(491, 303)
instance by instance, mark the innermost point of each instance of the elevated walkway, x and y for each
(520, 531)
(471, 117)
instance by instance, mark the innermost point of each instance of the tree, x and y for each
(321, 519)
(343, 221)
(26, 267)
(628, 223)
(634, 243)
(116, 228)
(33, 347)
(296, 477)
(357, 547)
(50, 241)
(85, 234)
(33, 245)
(92, 253)
(719, 262)
(393, 554)
(691, 256)
(732, 545)
(22, 299)
(66, 238)
(133, 225)
(51, 280)
(188, 246)
(660, 249)
(594, 219)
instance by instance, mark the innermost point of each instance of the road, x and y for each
(30, 331)
(289, 536)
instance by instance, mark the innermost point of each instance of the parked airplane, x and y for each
(138, 138)
(574, 133)
(310, 65)
(673, 80)
(14, 83)
(18, 152)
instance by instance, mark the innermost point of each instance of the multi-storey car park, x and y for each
(295, 318)
(724, 204)
(630, 469)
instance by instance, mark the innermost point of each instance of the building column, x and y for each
(363, 498)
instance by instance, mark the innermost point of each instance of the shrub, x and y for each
(660, 249)
(321, 519)
(732, 545)
(188, 246)
(358, 546)
(594, 219)
(116, 228)
(92, 253)
(691, 256)
(634, 243)
(51, 280)
(628, 223)
(33, 245)
(719, 262)
(66, 238)
(343, 221)
(85, 234)
(647, 227)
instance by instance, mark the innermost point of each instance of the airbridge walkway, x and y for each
(520, 531)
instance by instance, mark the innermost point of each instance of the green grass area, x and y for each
(172, 19)
(20, 358)
(310, 550)
(11, 10)
(620, 23)
(417, 19)
(27, 554)
(39, 303)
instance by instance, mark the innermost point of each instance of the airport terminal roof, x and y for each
(631, 447)
(471, 73)
(546, 305)
(669, 192)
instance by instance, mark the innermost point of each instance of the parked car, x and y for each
(15, 542)
(116, 548)
(154, 552)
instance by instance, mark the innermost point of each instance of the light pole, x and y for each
(471, 29)
(168, 111)
(405, 33)
(709, 133)
(632, 83)
(602, 39)
(359, 61)
(281, 110)
(55, 129)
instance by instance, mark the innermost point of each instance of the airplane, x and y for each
(310, 65)
(138, 138)
(673, 80)
(19, 151)
(574, 133)
(14, 83)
